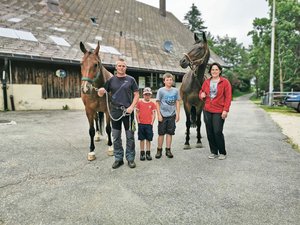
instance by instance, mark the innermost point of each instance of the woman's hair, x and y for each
(215, 64)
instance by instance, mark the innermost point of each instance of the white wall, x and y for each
(29, 97)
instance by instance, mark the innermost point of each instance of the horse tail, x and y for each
(193, 116)
(101, 122)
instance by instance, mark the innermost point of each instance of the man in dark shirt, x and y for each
(124, 96)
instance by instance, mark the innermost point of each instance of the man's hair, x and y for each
(168, 75)
(121, 60)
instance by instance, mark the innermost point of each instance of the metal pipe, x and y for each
(4, 86)
(271, 87)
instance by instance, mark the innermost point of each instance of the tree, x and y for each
(236, 57)
(195, 22)
(287, 47)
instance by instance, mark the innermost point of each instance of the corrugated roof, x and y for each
(136, 30)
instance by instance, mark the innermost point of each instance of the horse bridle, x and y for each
(91, 81)
(194, 64)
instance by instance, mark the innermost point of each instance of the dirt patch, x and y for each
(290, 125)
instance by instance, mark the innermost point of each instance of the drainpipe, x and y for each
(4, 87)
(12, 103)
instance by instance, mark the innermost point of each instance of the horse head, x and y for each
(198, 55)
(90, 68)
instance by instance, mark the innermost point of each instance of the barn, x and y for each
(40, 54)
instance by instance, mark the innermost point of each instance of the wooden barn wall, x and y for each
(44, 74)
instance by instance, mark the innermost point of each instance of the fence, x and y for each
(277, 97)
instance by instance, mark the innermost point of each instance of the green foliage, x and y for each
(65, 107)
(195, 22)
(236, 57)
(287, 47)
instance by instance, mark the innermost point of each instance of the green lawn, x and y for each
(279, 109)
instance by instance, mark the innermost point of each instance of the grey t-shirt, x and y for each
(167, 99)
(213, 89)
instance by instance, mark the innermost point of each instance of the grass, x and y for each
(283, 109)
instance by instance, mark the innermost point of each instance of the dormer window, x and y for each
(53, 6)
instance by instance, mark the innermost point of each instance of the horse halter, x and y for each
(89, 85)
(197, 62)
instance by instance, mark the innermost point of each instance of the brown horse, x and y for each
(94, 75)
(197, 59)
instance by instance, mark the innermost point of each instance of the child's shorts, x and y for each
(145, 132)
(167, 126)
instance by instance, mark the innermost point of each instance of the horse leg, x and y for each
(110, 150)
(91, 155)
(199, 143)
(187, 132)
(97, 122)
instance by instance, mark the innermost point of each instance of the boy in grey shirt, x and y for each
(168, 112)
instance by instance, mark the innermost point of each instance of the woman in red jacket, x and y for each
(216, 92)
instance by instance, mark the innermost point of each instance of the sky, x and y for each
(221, 17)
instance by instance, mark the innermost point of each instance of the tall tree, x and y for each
(287, 47)
(195, 22)
(236, 57)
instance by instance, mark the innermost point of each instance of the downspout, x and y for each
(12, 102)
(4, 86)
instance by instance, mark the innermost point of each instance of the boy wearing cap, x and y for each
(145, 116)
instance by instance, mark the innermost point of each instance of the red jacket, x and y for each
(222, 101)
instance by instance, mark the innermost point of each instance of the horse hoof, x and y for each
(187, 147)
(97, 136)
(91, 156)
(199, 145)
(110, 151)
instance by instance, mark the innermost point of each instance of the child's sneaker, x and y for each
(142, 156)
(148, 155)
(169, 153)
(158, 154)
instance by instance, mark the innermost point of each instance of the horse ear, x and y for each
(204, 37)
(196, 38)
(82, 48)
(97, 49)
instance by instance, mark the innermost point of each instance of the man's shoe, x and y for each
(158, 153)
(148, 155)
(169, 153)
(131, 164)
(212, 156)
(142, 156)
(117, 164)
(221, 156)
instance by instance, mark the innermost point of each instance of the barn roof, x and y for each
(51, 30)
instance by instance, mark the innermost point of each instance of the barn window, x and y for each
(17, 34)
(53, 6)
(60, 41)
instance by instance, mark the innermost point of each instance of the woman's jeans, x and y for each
(214, 130)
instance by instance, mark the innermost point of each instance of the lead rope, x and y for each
(124, 113)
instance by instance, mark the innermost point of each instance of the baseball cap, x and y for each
(147, 90)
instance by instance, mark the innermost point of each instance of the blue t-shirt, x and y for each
(121, 89)
(167, 99)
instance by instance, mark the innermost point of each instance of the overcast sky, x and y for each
(221, 17)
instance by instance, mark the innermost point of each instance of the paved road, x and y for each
(46, 179)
